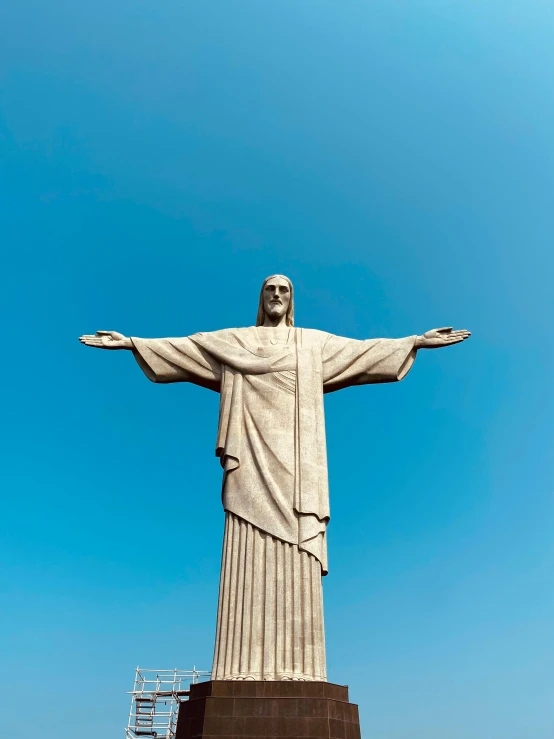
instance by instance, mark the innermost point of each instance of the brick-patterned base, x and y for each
(245, 709)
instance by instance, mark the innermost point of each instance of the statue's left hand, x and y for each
(439, 337)
(106, 340)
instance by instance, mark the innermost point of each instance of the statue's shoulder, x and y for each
(313, 337)
(222, 333)
(244, 332)
(231, 335)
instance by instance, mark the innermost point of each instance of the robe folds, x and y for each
(271, 445)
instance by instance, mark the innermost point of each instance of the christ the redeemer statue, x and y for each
(271, 444)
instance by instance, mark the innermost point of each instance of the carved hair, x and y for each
(290, 310)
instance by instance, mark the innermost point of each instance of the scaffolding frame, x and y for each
(155, 701)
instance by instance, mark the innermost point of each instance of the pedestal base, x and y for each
(237, 709)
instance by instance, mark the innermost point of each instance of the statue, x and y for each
(271, 444)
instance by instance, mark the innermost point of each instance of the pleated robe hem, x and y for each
(270, 611)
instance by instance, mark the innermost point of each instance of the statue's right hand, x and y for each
(106, 340)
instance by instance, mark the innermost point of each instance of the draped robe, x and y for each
(271, 444)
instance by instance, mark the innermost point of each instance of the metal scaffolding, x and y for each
(155, 701)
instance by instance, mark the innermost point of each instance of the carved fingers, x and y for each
(445, 336)
(454, 337)
(91, 340)
(104, 340)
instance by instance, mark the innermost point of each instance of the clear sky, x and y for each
(159, 158)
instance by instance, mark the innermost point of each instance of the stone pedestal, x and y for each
(229, 709)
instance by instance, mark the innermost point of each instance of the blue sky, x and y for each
(396, 160)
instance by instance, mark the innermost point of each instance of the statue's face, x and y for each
(276, 297)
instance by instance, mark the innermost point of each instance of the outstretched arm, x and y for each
(106, 340)
(164, 360)
(439, 337)
(348, 362)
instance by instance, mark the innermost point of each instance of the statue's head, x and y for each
(276, 300)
